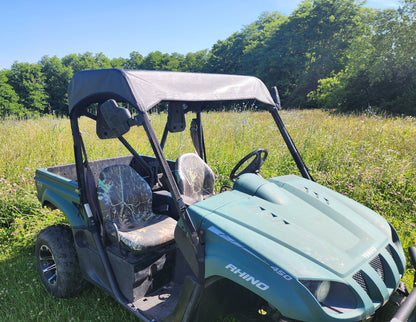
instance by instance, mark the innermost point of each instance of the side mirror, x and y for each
(176, 117)
(112, 120)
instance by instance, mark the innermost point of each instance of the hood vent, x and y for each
(268, 214)
(371, 286)
(377, 265)
(393, 253)
(359, 278)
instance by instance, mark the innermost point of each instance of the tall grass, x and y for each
(369, 158)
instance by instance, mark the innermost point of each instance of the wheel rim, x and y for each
(47, 264)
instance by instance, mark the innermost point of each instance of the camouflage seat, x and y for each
(125, 202)
(195, 178)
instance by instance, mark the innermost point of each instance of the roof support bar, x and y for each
(285, 134)
(191, 233)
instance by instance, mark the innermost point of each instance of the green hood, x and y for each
(320, 230)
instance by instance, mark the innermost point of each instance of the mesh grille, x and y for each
(377, 265)
(358, 277)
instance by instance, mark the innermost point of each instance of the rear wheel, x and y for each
(57, 261)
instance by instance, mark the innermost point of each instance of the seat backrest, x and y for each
(195, 178)
(124, 197)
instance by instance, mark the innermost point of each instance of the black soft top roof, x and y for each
(144, 89)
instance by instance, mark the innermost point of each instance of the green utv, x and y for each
(156, 236)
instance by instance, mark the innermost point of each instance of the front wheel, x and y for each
(57, 262)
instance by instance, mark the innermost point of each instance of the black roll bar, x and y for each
(285, 134)
(191, 232)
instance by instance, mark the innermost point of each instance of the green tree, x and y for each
(175, 62)
(381, 70)
(9, 101)
(102, 61)
(309, 46)
(226, 55)
(258, 35)
(195, 62)
(119, 62)
(28, 82)
(134, 61)
(86, 61)
(242, 51)
(57, 77)
(404, 49)
(155, 61)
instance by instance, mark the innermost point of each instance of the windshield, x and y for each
(227, 136)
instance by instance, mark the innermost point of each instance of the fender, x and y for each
(250, 271)
(61, 192)
(68, 208)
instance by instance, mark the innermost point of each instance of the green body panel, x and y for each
(60, 192)
(266, 235)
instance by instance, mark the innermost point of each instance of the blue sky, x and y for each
(30, 29)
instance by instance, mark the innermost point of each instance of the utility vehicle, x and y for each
(157, 236)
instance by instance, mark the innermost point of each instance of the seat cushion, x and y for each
(157, 231)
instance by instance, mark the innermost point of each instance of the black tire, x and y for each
(57, 262)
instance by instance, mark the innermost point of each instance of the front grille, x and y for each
(388, 248)
(377, 265)
(393, 253)
(380, 264)
(359, 278)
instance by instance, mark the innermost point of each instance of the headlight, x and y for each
(319, 289)
(334, 297)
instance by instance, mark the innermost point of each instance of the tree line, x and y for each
(332, 54)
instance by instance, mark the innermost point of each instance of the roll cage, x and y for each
(185, 92)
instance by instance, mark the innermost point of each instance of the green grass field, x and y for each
(368, 158)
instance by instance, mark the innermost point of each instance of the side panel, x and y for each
(225, 258)
(61, 193)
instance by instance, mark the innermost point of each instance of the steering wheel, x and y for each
(260, 155)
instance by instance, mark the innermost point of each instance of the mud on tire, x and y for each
(57, 262)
